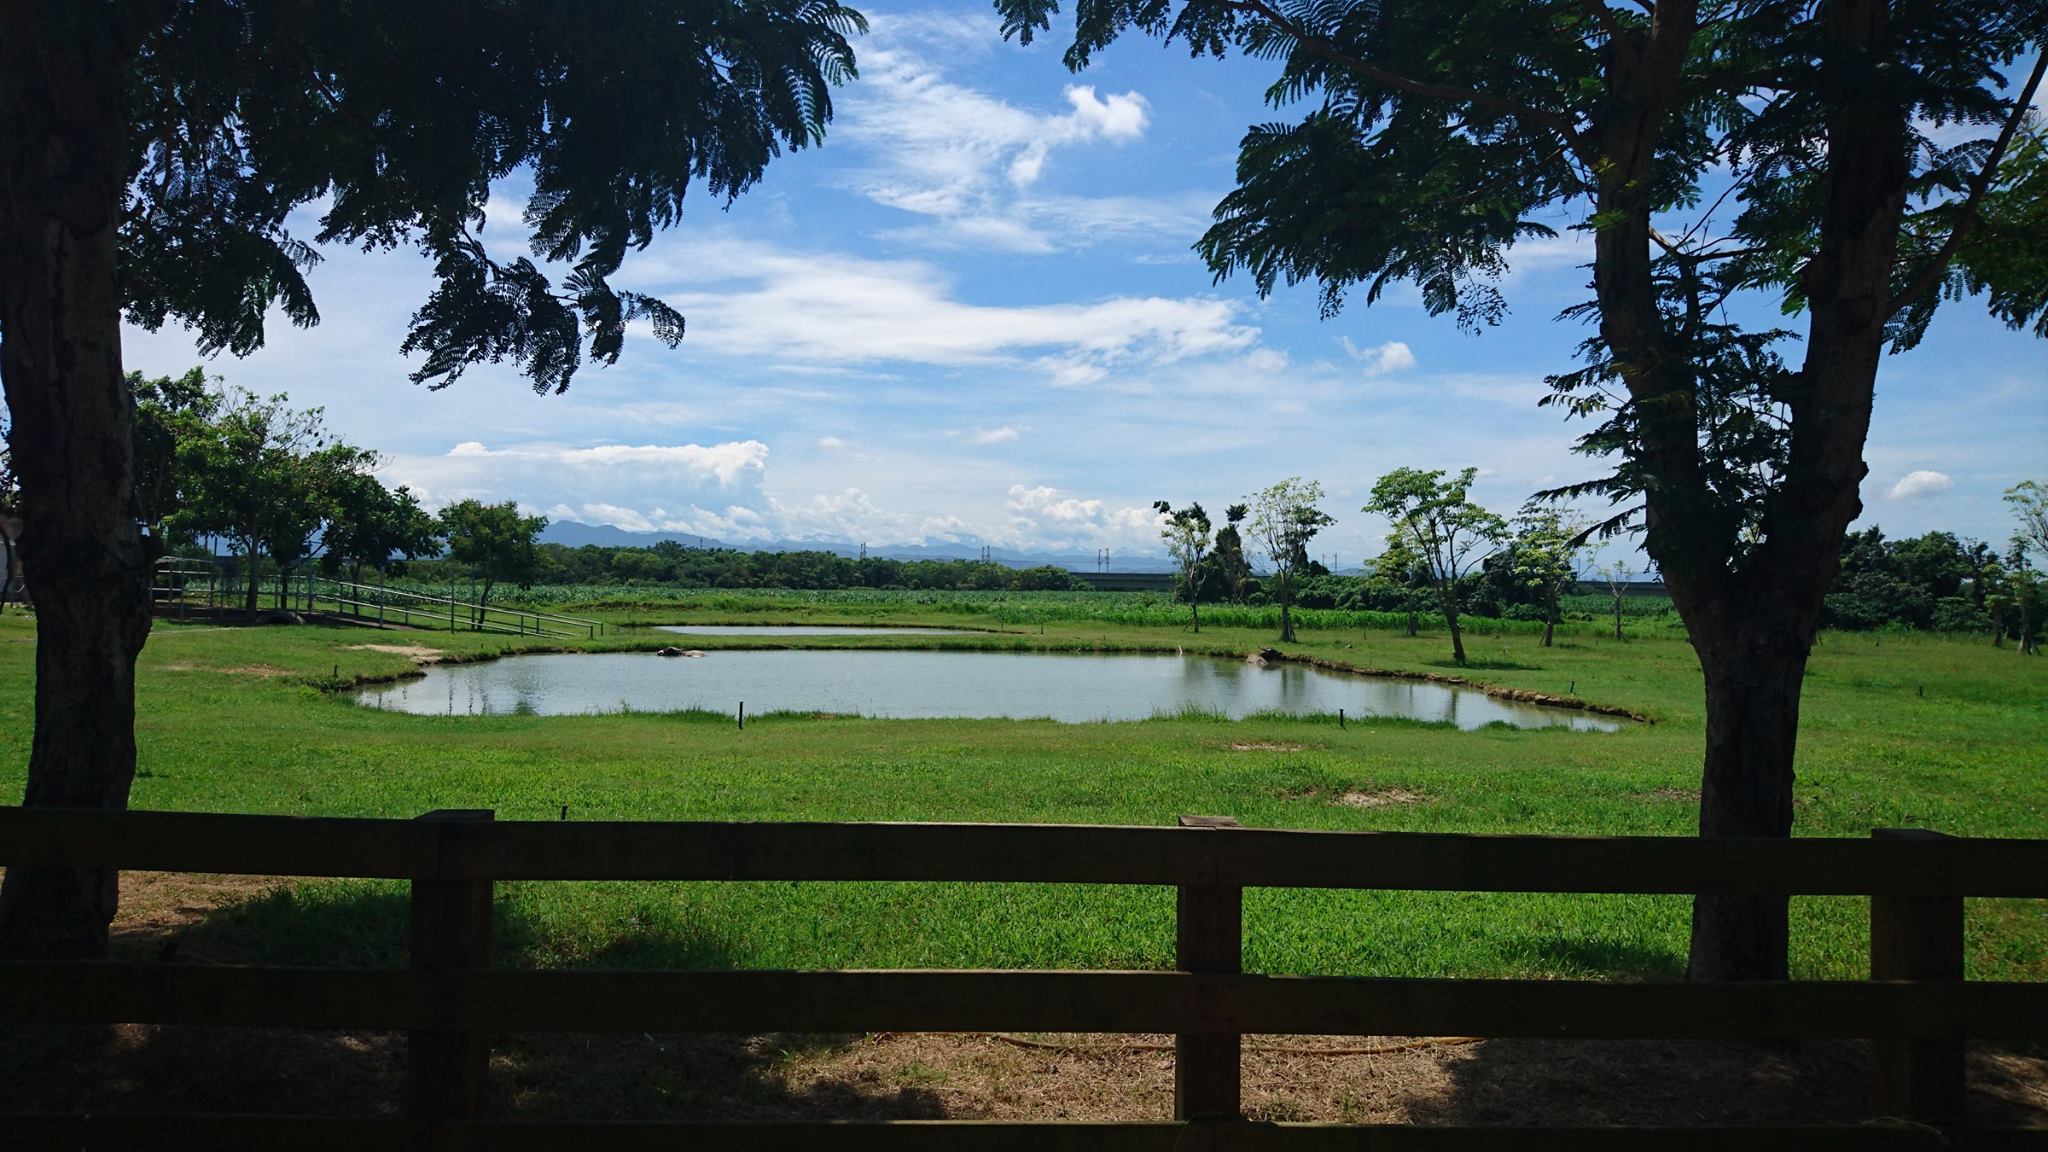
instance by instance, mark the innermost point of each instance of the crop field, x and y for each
(1916, 732)
(1587, 612)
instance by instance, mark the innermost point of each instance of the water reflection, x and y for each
(914, 684)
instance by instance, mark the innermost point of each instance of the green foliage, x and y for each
(170, 412)
(1187, 536)
(399, 118)
(1545, 552)
(1437, 528)
(262, 475)
(494, 541)
(2029, 500)
(369, 525)
(1284, 518)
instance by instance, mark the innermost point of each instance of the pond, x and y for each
(919, 684)
(802, 630)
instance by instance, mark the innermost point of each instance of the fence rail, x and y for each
(1917, 1009)
(180, 587)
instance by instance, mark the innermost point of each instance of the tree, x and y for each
(369, 524)
(1186, 533)
(1545, 553)
(495, 541)
(255, 474)
(170, 412)
(293, 530)
(151, 159)
(1442, 528)
(1439, 133)
(1228, 557)
(2029, 500)
(1284, 518)
(1616, 576)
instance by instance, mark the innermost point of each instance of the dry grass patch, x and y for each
(420, 653)
(260, 671)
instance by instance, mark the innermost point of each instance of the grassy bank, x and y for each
(1917, 732)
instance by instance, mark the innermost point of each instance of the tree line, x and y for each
(668, 562)
(1448, 554)
(218, 466)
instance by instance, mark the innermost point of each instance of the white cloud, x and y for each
(1393, 356)
(831, 442)
(965, 160)
(724, 462)
(754, 301)
(1915, 485)
(1045, 517)
(1003, 435)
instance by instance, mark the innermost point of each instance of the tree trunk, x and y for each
(1753, 678)
(1617, 617)
(62, 168)
(1414, 624)
(6, 567)
(1752, 612)
(1449, 601)
(255, 574)
(1195, 606)
(1286, 620)
(1550, 617)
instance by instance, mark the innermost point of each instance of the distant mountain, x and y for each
(574, 534)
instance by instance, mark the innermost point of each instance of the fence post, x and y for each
(1917, 937)
(451, 929)
(1208, 937)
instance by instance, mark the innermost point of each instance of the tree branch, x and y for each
(1604, 16)
(1319, 46)
(1968, 221)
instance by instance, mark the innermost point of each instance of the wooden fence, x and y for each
(1916, 1009)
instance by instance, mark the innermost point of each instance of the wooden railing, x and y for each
(1917, 1008)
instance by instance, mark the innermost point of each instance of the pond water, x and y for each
(1020, 685)
(802, 630)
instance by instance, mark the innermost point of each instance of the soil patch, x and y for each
(1378, 798)
(264, 671)
(1668, 796)
(1265, 746)
(420, 653)
(1359, 797)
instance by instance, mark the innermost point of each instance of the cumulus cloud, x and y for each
(1393, 356)
(1916, 485)
(723, 462)
(831, 442)
(1047, 517)
(1003, 435)
(967, 161)
(756, 301)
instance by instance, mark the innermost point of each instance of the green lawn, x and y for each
(1913, 731)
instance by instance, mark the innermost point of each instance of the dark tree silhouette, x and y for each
(1775, 152)
(151, 153)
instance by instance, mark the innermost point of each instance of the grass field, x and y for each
(1920, 732)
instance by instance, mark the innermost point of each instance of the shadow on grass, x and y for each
(1584, 958)
(1483, 665)
(139, 1068)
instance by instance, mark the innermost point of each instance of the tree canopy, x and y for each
(156, 162)
(1187, 536)
(1436, 525)
(1284, 518)
(1772, 194)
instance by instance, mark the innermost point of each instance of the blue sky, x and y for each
(974, 314)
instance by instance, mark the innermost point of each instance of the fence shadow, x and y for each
(142, 1068)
